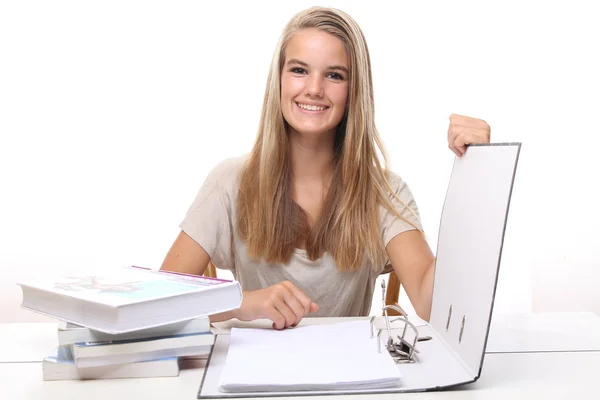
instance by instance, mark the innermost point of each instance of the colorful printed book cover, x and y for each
(128, 285)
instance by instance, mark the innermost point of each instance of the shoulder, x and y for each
(223, 177)
(393, 178)
(226, 173)
(229, 167)
(398, 186)
(401, 199)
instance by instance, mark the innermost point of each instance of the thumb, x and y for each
(314, 307)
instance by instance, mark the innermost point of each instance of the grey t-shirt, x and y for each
(210, 221)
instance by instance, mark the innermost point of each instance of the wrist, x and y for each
(232, 314)
(224, 316)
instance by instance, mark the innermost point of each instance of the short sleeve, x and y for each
(407, 208)
(209, 220)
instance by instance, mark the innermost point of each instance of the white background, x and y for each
(113, 112)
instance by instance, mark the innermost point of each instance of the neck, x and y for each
(311, 158)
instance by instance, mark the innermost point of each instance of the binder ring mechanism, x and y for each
(401, 350)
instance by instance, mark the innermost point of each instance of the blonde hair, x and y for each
(268, 219)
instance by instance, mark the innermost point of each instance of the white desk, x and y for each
(27, 342)
(505, 376)
(31, 342)
(544, 332)
(555, 372)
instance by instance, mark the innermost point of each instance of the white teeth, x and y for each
(310, 107)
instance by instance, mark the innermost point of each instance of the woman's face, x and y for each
(314, 82)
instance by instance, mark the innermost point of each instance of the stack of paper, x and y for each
(319, 357)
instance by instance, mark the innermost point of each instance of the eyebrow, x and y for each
(330, 68)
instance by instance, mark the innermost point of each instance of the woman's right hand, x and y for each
(283, 303)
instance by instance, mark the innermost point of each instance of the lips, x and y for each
(311, 107)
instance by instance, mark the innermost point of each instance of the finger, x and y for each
(453, 148)
(286, 311)
(299, 295)
(472, 135)
(466, 138)
(458, 142)
(463, 140)
(294, 304)
(451, 138)
(451, 144)
(278, 319)
(314, 307)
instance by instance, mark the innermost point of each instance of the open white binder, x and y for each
(469, 251)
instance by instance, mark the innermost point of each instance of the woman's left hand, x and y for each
(464, 131)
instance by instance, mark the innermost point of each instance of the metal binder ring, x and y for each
(401, 351)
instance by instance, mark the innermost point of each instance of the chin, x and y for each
(311, 131)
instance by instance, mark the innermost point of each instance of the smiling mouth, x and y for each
(309, 107)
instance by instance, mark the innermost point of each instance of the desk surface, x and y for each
(546, 356)
(31, 342)
(513, 375)
(544, 332)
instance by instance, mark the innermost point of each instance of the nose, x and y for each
(314, 86)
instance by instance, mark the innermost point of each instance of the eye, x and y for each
(336, 76)
(298, 70)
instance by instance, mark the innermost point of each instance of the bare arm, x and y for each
(186, 256)
(414, 264)
(283, 303)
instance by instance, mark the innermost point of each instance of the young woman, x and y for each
(309, 219)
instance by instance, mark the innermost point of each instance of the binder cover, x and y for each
(470, 240)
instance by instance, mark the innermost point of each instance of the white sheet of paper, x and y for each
(337, 356)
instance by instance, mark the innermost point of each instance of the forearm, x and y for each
(426, 293)
(224, 316)
(227, 315)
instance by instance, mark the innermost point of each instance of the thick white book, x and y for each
(69, 333)
(130, 298)
(130, 351)
(61, 366)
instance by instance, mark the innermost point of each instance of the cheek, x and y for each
(289, 88)
(341, 97)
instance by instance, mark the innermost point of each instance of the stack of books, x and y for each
(133, 323)
(83, 353)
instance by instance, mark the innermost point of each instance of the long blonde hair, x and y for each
(268, 219)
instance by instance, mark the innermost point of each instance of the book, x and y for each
(341, 356)
(129, 351)
(69, 333)
(130, 298)
(61, 366)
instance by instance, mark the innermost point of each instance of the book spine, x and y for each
(83, 335)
